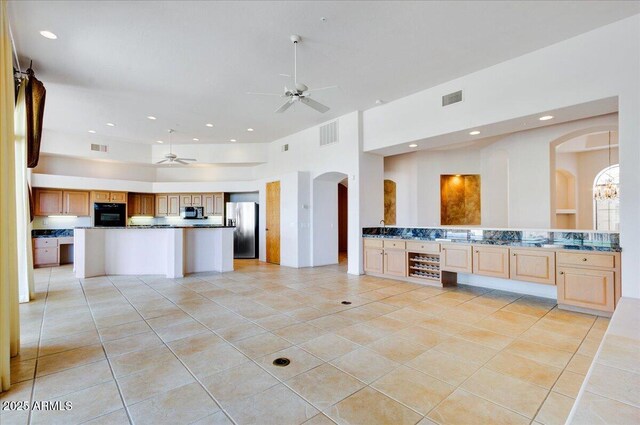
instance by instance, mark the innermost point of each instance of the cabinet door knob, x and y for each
(476, 251)
(584, 259)
(514, 254)
(561, 272)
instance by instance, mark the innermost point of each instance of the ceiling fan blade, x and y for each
(322, 88)
(187, 159)
(160, 162)
(179, 161)
(284, 107)
(285, 75)
(265, 94)
(315, 105)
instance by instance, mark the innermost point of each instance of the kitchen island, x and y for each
(143, 250)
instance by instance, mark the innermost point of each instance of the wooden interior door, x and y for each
(273, 222)
(343, 217)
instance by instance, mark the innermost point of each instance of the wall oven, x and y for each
(109, 215)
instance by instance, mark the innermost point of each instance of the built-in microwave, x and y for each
(192, 212)
(109, 215)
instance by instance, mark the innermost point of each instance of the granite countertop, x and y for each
(163, 226)
(570, 240)
(52, 233)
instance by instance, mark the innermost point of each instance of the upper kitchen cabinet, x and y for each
(61, 202)
(167, 206)
(141, 204)
(75, 203)
(47, 201)
(213, 204)
(106, 197)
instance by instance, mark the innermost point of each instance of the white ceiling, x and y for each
(190, 63)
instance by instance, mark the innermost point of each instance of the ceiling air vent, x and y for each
(98, 148)
(285, 148)
(451, 98)
(329, 133)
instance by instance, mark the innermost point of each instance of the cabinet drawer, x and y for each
(65, 241)
(373, 243)
(428, 247)
(45, 242)
(581, 259)
(43, 256)
(394, 244)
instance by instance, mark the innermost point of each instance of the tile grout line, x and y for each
(126, 408)
(35, 369)
(172, 352)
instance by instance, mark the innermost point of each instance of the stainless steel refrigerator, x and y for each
(244, 215)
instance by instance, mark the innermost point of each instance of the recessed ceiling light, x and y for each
(151, 117)
(92, 131)
(379, 101)
(232, 140)
(159, 141)
(474, 132)
(209, 125)
(546, 117)
(110, 124)
(195, 139)
(48, 34)
(249, 129)
(413, 145)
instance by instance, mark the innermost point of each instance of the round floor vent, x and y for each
(281, 361)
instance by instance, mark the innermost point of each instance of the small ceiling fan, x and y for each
(301, 92)
(172, 157)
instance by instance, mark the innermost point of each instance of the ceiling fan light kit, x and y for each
(300, 93)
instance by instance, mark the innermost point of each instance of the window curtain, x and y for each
(9, 313)
(23, 213)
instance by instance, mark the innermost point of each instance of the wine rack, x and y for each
(424, 266)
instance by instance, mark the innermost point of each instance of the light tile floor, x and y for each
(151, 350)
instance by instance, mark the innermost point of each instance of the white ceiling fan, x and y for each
(301, 91)
(172, 157)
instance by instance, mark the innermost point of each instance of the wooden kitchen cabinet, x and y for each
(118, 197)
(46, 252)
(207, 203)
(167, 206)
(395, 262)
(533, 265)
(185, 200)
(141, 204)
(373, 260)
(456, 258)
(491, 261)
(61, 202)
(218, 204)
(102, 196)
(75, 203)
(47, 202)
(196, 200)
(586, 288)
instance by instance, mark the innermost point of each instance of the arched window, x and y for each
(607, 212)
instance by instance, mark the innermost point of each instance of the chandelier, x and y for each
(607, 191)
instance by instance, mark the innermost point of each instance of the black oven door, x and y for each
(110, 215)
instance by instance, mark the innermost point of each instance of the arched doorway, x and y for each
(330, 219)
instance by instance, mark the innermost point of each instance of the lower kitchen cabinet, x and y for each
(395, 262)
(456, 258)
(373, 260)
(532, 265)
(491, 261)
(586, 288)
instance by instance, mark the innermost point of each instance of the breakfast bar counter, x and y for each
(142, 250)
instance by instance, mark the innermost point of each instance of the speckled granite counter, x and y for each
(163, 226)
(52, 233)
(552, 239)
